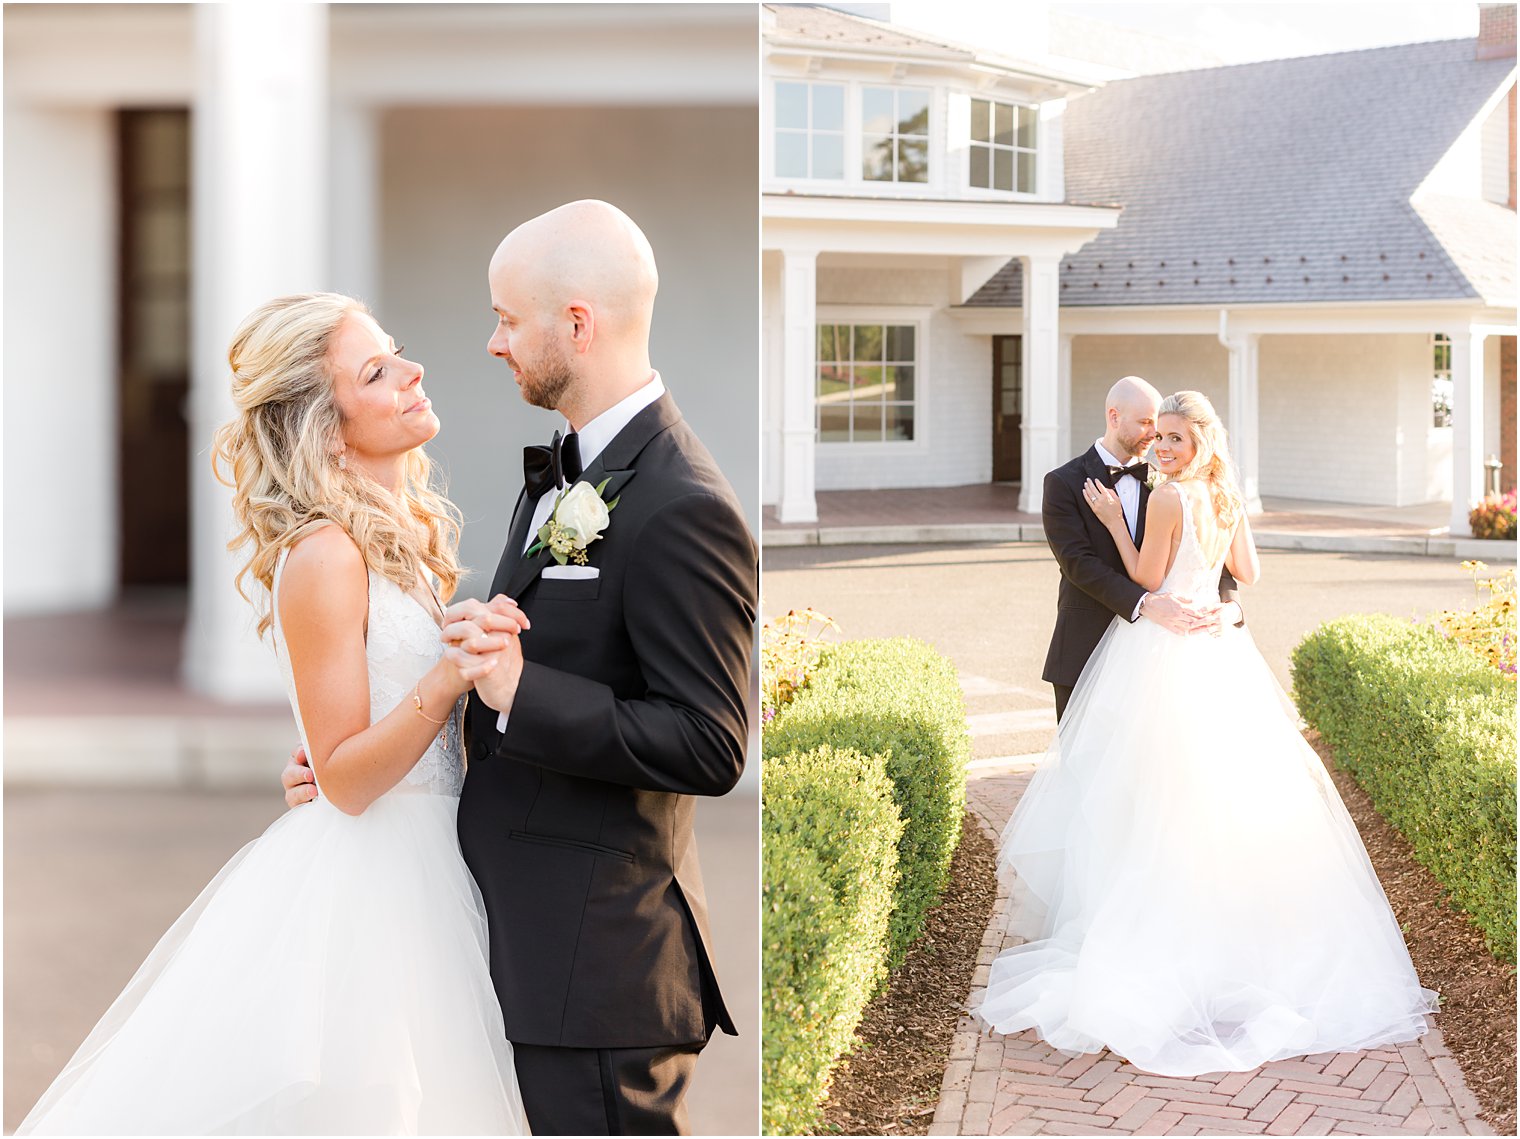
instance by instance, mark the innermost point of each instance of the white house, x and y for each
(962, 251)
(167, 167)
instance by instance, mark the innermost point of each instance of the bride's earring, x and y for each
(342, 461)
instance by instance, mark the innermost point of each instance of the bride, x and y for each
(332, 978)
(1197, 898)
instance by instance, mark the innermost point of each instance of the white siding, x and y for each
(1169, 363)
(1496, 131)
(455, 180)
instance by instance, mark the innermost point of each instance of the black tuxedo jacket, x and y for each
(577, 821)
(1094, 583)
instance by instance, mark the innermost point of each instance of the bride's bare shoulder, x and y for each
(324, 576)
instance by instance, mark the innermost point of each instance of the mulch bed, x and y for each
(1477, 1018)
(890, 1084)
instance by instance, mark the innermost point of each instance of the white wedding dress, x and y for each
(332, 978)
(1197, 898)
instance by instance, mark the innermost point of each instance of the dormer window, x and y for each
(894, 134)
(810, 130)
(1003, 146)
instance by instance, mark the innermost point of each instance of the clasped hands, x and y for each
(481, 646)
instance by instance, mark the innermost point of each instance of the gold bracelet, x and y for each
(417, 704)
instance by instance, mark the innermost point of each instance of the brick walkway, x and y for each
(1018, 1085)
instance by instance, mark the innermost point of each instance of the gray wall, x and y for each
(455, 180)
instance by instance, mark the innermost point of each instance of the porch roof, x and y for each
(1288, 181)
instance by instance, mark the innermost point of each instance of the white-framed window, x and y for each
(1004, 146)
(867, 381)
(1440, 380)
(894, 134)
(810, 129)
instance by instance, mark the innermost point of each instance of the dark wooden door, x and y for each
(154, 344)
(1007, 405)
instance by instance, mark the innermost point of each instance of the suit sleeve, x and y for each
(1229, 591)
(1061, 513)
(689, 608)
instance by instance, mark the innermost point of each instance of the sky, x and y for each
(1237, 32)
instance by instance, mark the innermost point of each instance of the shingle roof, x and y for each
(1284, 181)
(812, 22)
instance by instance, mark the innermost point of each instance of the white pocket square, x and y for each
(572, 573)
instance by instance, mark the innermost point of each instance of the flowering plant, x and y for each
(1488, 629)
(578, 519)
(1493, 517)
(789, 652)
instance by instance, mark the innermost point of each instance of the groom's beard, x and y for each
(546, 382)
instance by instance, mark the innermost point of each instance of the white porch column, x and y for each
(1064, 448)
(799, 355)
(260, 193)
(1466, 426)
(1245, 415)
(1042, 367)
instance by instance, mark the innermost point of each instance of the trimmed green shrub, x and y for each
(901, 699)
(829, 855)
(1428, 729)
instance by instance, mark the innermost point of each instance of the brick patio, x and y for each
(1018, 1085)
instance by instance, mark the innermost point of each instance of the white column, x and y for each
(260, 189)
(354, 227)
(799, 355)
(1245, 415)
(1466, 426)
(1064, 449)
(1042, 366)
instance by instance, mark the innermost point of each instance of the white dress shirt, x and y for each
(592, 440)
(1128, 489)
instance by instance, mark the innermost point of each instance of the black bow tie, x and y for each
(1138, 471)
(551, 467)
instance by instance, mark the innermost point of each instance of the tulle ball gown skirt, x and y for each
(331, 979)
(1196, 897)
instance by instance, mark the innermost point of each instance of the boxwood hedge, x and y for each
(1428, 729)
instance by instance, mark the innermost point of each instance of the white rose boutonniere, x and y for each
(1152, 478)
(578, 519)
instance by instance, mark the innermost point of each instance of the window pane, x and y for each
(833, 383)
(834, 423)
(791, 154)
(876, 158)
(1002, 169)
(1028, 117)
(899, 381)
(876, 110)
(1004, 132)
(828, 156)
(899, 424)
(900, 342)
(791, 105)
(868, 422)
(830, 344)
(868, 342)
(828, 107)
(913, 160)
(1026, 173)
(868, 380)
(981, 120)
(981, 167)
(912, 112)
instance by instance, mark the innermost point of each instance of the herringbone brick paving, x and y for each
(1019, 1085)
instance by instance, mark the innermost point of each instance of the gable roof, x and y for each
(1284, 181)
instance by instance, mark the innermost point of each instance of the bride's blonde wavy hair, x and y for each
(279, 456)
(1211, 454)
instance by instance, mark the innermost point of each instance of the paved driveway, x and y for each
(991, 608)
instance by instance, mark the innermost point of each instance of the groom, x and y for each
(591, 737)
(1094, 584)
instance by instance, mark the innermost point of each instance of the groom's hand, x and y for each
(1171, 614)
(299, 782)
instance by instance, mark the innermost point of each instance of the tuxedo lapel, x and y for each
(615, 464)
(517, 536)
(1145, 499)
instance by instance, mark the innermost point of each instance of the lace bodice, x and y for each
(1191, 575)
(401, 644)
